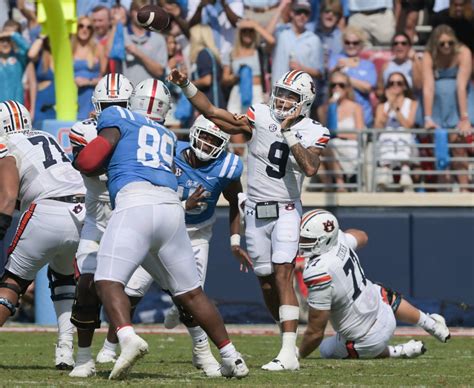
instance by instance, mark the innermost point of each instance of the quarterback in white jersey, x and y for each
(112, 89)
(361, 312)
(284, 145)
(35, 170)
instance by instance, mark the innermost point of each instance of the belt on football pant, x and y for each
(70, 199)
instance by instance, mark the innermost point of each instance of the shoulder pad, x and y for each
(83, 132)
(316, 274)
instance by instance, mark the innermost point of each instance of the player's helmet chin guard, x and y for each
(207, 140)
(151, 98)
(322, 228)
(112, 89)
(14, 118)
(293, 89)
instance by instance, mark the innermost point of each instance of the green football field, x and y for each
(26, 359)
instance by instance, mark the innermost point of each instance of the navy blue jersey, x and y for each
(144, 152)
(214, 178)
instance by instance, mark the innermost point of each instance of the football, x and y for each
(153, 18)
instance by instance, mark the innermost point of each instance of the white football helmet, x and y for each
(322, 228)
(210, 146)
(112, 89)
(295, 84)
(14, 118)
(151, 98)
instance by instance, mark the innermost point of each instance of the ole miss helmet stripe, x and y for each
(152, 97)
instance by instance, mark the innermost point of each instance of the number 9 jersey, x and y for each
(144, 152)
(273, 173)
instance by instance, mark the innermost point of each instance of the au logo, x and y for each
(328, 226)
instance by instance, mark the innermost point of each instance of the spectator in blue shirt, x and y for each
(361, 72)
(297, 48)
(13, 58)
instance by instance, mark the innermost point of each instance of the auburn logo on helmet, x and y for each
(328, 226)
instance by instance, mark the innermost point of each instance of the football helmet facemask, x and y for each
(207, 140)
(112, 89)
(319, 230)
(295, 88)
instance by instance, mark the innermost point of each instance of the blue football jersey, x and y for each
(214, 178)
(144, 152)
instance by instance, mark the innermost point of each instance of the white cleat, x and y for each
(64, 356)
(234, 367)
(133, 349)
(204, 359)
(412, 349)
(106, 356)
(84, 370)
(172, 318)
(279, 365)
(440, 330)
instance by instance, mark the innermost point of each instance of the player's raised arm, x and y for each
(228, 122)
(356, 238)
(307, 158)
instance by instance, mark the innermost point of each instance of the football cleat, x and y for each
(234, 367)
(412, 349)
(64, 356)
(106, 356)
(440, 331)
(204, 359)
(84, 370)
(172, 318)
(133, 348)
(279, 365)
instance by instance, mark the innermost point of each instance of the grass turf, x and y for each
(26, 359)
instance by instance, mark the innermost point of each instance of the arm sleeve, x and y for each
(323, 139)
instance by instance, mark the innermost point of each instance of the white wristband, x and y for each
(290, 138)
(183, 204)
(189, 90)
(235, 240)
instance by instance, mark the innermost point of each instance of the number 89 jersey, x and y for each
(273, 173)
(144, 152)
(336, 282)
(44, 169)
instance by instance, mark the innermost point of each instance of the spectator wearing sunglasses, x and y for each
(362, 73)
(403, 60)
(448, 100)
(89, 65)
(396, 149)
(296, 47)
(342, 152)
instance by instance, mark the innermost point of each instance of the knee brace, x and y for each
(185, 317)
(62, 286)
(19, 290)
(85, 315)
(391, 297)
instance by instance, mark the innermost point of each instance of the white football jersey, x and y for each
(45, 170)
(273, 173)
(97, 196)
(336, 282)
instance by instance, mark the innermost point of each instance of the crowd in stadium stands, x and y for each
(372, 66)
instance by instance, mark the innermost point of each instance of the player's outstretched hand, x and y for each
(243, 257)
(177, 77)
(291, 119)
(194, 200)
